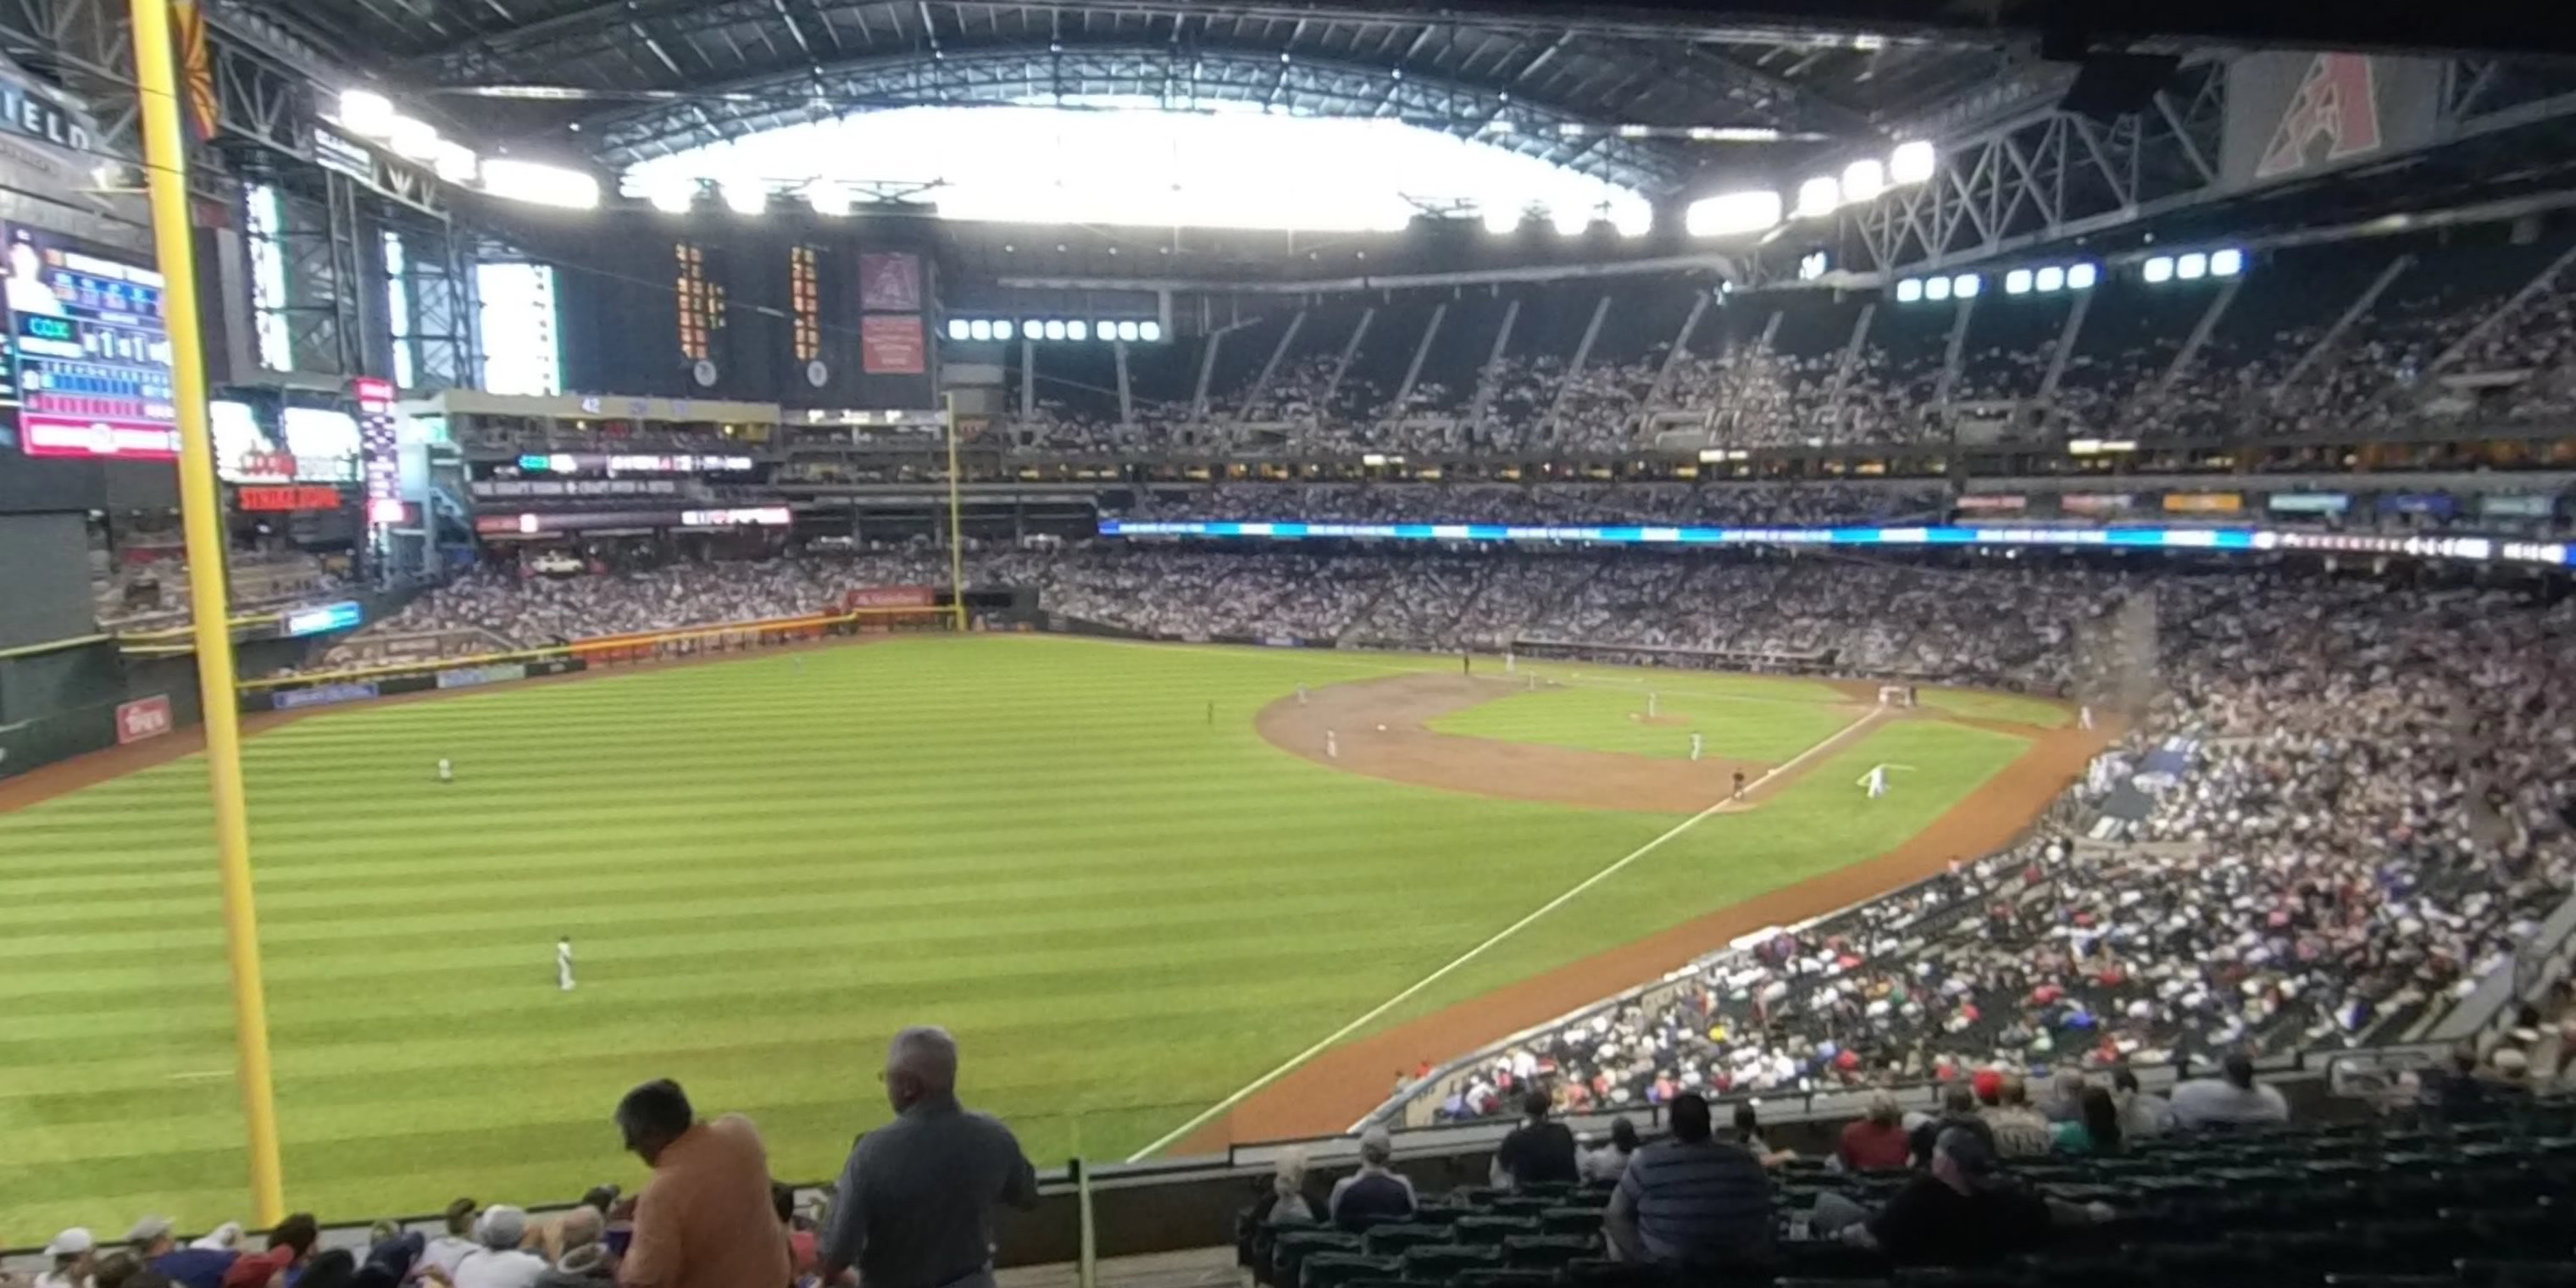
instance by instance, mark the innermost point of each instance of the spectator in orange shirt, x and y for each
(705, 1219)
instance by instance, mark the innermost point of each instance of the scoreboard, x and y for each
(91, 369)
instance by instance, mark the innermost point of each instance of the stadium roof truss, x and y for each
(648, 77)
(2039, 175)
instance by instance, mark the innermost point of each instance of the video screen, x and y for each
(92, 357)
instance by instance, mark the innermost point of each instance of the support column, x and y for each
(2200, 333)
(2066, 338)
(1421, 350)
(1126, 392)
(1574, 369)
(1492, 371)
(2334, 334)
(1850, 359)
(1028, 377)
(1207, 368)
(1261, 383)
(1950, 356)
(1681, 348)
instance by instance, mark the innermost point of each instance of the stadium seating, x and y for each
(2371, 1204)
(1769, 370)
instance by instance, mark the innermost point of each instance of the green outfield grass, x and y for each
(1744, 723)
(1124, 910)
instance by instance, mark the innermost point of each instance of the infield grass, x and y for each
(1745, 724)
(1125, 911)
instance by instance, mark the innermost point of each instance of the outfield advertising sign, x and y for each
(143, 719)
(467, 677)
(323, 695)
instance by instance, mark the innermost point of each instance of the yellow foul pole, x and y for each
(166, 159)
(956, 546)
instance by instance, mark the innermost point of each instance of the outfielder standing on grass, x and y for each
(1875, 780)
(563, 963)
(1696, 744)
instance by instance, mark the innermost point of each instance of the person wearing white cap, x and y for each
(72, 1252)
(500, 1262)
(153, 1239)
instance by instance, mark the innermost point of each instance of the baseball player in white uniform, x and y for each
(563, 963)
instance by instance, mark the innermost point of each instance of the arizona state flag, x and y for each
(197, 66)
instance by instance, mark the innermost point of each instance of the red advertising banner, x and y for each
(1993, 503)
(143, 719)
(272, 499)
(889, 282)
(890, 346)
(890, 597)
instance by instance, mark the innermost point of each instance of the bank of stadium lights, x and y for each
(2192, 266)
(1864, 180)
(1964, 286)
(1732, 213)
(1065, 330)
(373, 117)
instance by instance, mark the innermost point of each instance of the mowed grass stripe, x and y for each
(1613, 720)
(766, 865)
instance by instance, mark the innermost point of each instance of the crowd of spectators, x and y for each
(2372, 809)
(2276, 365)
(913, 1207)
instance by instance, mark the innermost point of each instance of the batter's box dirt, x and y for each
(1381, 728)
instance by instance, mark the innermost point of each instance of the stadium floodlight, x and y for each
(1966, 286)
(2049, 279)
(1150, 332)
(1077, 329)
(2017, 282)
(979, 329)
(367, 113)
(1001, 328)
(1819, 196)
(1911, 162)
(1569, 221)
(2080, 277)
(1812, 265)
(413, 140)
(829, 198)
(2226, 263)
(1053, 330)
(1936, 288)
(1129, 332)
(2158, 268)
(1032, 329)
(1104, 329)
(455, 162)
(960, 330)
(672, 195)
(1909, 290)
(1730, 213)
(1501, 220)
(1863, 180)
(2191, 267)
(539, 184)
(746, 198)
(1633, 221)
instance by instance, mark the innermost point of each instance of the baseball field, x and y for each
(1135, 880)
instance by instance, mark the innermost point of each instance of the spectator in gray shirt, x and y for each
(914, 1208)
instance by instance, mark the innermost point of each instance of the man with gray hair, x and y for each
(914, 1206)
(1372, 1193)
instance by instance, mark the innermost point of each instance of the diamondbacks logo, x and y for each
(2334, 115)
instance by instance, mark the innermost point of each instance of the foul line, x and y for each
(1479, 950)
